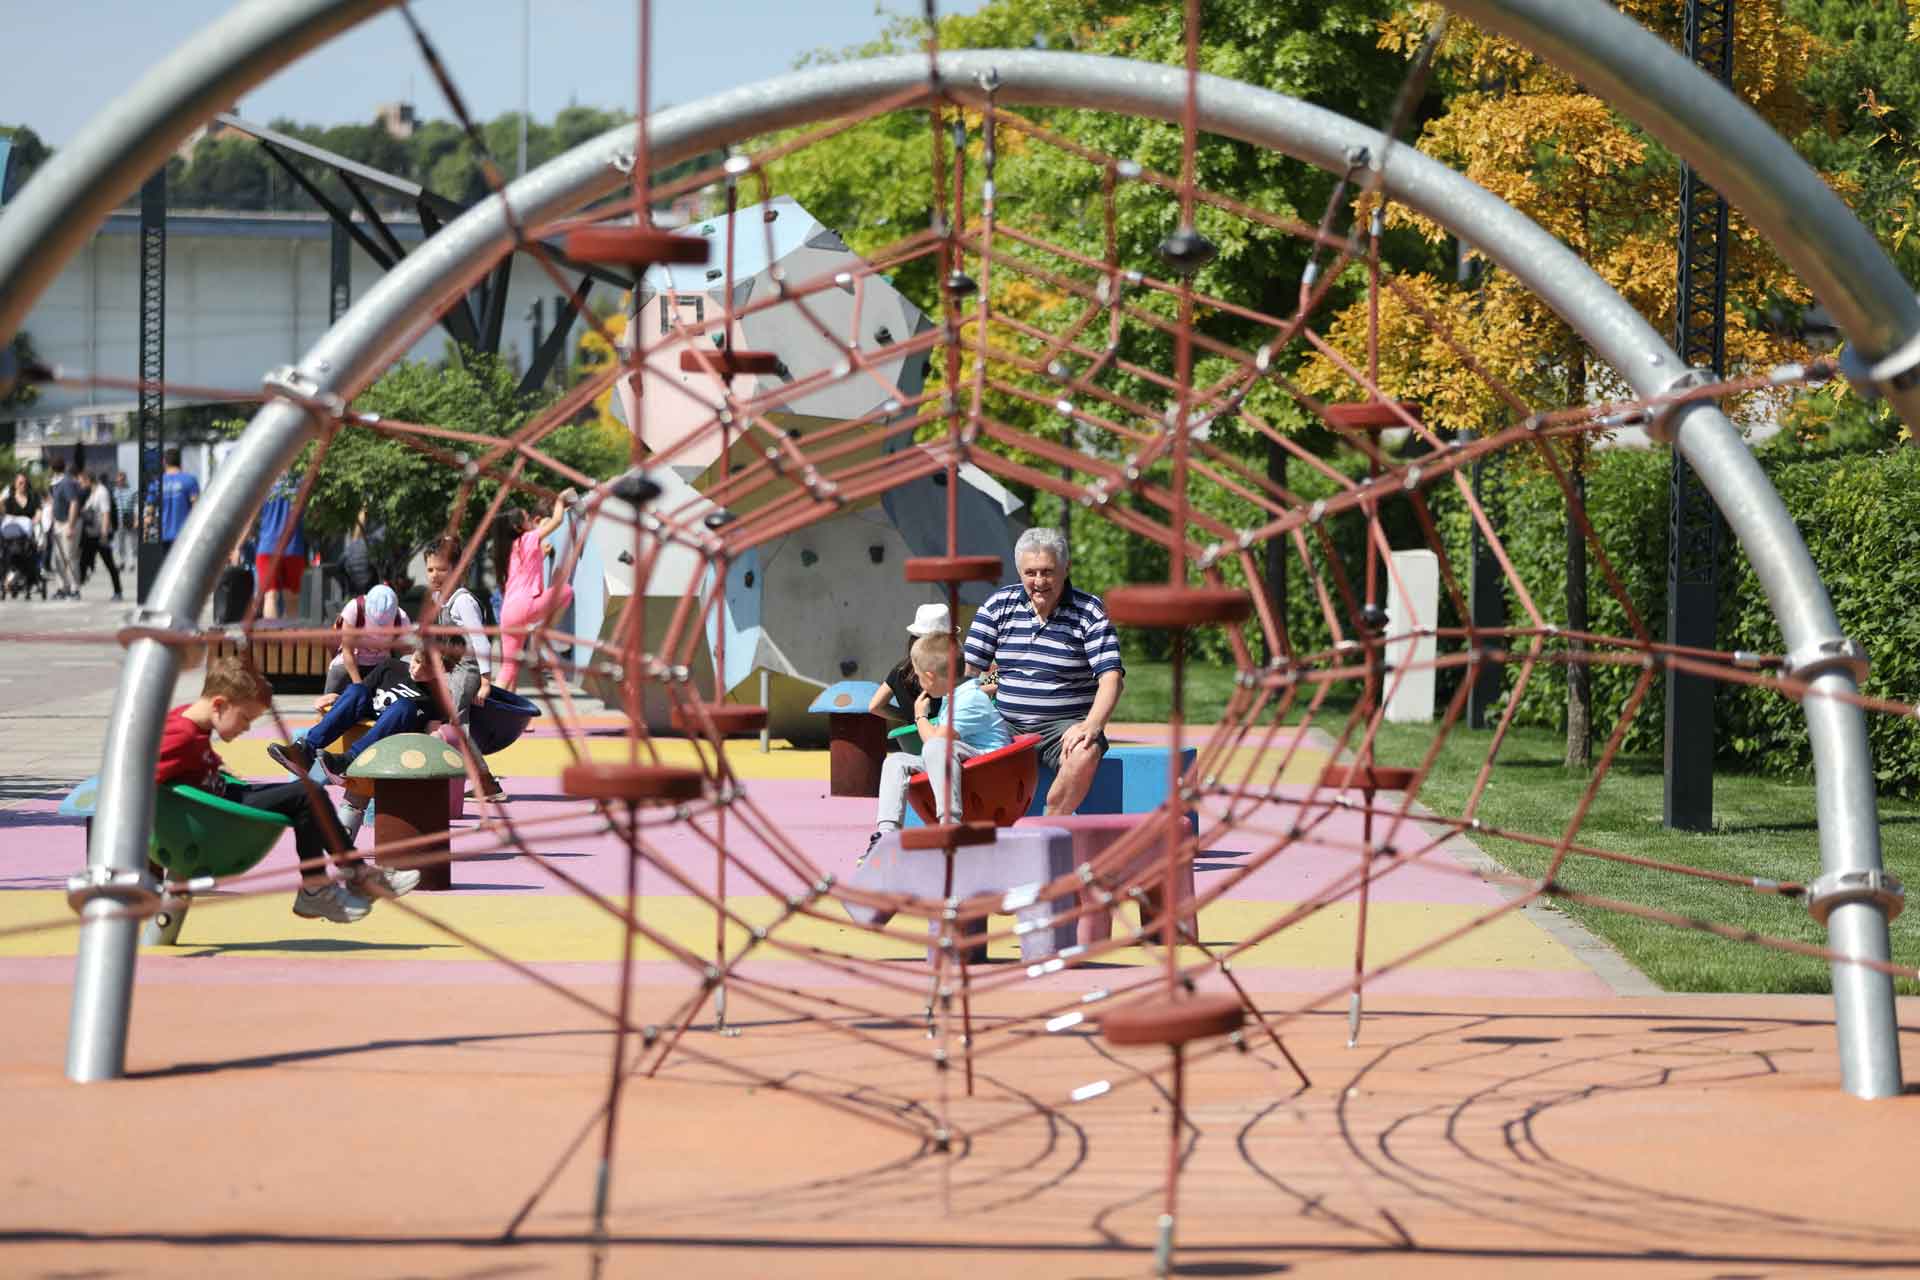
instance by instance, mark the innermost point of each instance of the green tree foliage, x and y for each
(236, 173)
(1865, 131)
(22, 392)
(873, 185)
(28, 154)
(411, 496)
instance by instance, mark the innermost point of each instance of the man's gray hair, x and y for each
(1049, 541)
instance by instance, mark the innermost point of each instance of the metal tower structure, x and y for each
(477, 320)
(153, 369)
(339, 274)
(1693, 521)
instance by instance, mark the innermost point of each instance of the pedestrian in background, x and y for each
(97, 518)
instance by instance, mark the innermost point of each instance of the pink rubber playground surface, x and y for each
(307, 1099)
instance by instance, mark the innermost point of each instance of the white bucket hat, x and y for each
(929, 619)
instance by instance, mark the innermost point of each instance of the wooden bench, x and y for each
(290, 666)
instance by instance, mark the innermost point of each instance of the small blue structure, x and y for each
(845, 698)
(1130, 779)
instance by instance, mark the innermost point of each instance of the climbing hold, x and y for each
(1186, 251)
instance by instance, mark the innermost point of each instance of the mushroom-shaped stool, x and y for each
(410, 773)
(856, 739)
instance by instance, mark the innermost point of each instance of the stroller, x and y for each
(20, 558)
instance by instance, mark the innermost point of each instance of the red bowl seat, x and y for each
(995, 786)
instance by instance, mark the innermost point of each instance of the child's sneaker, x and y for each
(333, 902)
(861, 861)
(295, 757)
(379, 882)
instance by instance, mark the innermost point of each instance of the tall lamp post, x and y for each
(1693, 522)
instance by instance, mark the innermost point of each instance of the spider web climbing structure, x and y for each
(1063, 359)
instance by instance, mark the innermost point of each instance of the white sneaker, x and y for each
(334, 902)
(378, 882)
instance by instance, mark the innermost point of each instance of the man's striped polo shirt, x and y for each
(1048, 670)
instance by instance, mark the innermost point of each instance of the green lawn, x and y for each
(1149, 692)
(1764, 827)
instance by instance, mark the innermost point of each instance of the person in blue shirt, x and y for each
(969, 722)
(179, 490)
(277, 569)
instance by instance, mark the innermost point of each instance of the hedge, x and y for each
(1860, 517)
(1859, 514)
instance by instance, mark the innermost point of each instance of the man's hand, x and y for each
(486, 687)
(1082, 737)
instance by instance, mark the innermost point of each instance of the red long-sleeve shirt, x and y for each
(186, 754)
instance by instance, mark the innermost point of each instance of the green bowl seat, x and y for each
(196, 833)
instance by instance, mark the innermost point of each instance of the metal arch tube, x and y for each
(385, 320)
(1705, 124)
(51, 218)
(39, 232)
(1846, 809)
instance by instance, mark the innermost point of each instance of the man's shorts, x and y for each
(279, 573)
(1051, 732)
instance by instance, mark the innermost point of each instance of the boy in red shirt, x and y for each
(231, 698)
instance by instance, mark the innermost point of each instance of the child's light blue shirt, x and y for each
(975, 718)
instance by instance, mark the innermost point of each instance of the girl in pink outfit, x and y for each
(527, 599)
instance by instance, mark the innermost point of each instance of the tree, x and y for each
(873, 184)
(1865, 130)
(408, 495)
(16, 390)
(28, 153)
(1528, 133)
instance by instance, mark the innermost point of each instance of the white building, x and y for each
(245, 293)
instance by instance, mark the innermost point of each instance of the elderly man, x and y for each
(1058, 660)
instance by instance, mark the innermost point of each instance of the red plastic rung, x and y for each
(1176, 608)
(1367, 777)
(728, 717)
(953, 569)
(947, 835)
(1372, 415)
(1172, 1022)
(636, 247)
(636, 783)
(727, 364)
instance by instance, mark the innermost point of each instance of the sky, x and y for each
(64, 61)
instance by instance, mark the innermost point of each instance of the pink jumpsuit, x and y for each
(526, 600)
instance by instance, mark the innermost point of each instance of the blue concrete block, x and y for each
(1130, 779)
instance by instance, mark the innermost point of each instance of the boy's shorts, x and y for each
(279, 573)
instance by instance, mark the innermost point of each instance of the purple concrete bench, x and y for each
(1027, 856)
(1092, 833)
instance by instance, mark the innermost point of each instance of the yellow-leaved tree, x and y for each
(1527, 132)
